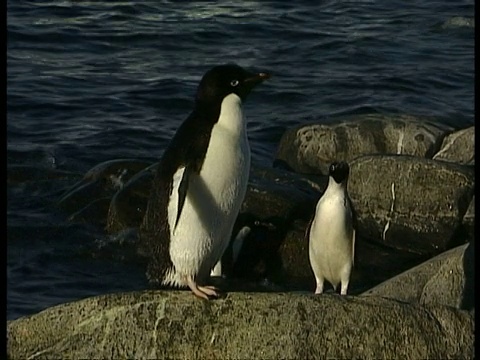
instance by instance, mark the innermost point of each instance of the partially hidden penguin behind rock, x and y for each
(332, 232)
(200, 184)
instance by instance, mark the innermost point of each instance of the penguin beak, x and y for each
(250, 82)
(257, 78)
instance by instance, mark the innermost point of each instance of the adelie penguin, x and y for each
(200, 184)
(332, 232)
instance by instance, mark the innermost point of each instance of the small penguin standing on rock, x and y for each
(200, 184)
(332, 232)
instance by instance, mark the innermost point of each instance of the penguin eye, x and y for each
(234, 83)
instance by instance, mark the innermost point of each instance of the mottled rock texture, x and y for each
(458, 147)
(158, 325)
(411, 203)
(446, 279)
(311, 148)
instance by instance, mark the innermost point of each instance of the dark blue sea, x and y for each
(91, 81)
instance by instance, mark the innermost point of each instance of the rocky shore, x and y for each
(411, 294)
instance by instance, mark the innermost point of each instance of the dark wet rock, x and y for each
(446, 279)
(311, 148)
(82, 194)
(411, 203)
(117, 171)
(171, 324)
(100, 182)
(278, 194)
(458, 147)
(468, 221)
(128, 204)
(94, 212)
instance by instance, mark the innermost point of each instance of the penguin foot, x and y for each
(209, 290)
(319, 289)
(202, 291)
(344, 288)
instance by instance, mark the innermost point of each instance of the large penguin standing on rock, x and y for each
(332, 232)
(200, 184)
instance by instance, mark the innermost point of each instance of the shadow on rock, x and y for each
(468, 299)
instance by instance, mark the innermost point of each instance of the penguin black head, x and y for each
(339, 171)
(223, 80)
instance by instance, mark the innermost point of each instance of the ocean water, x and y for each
(93, 81)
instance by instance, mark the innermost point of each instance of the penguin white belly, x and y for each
(213, 198)
(330, 245)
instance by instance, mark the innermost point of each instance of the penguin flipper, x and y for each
(353, 246)
(182, 193)
(309, 226)
(354, 215)
(354, 226)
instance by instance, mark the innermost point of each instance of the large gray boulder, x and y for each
(458, 147)
(411, 203)
(158, 325)
(446, 279)
(127, 206)
(311, 148)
